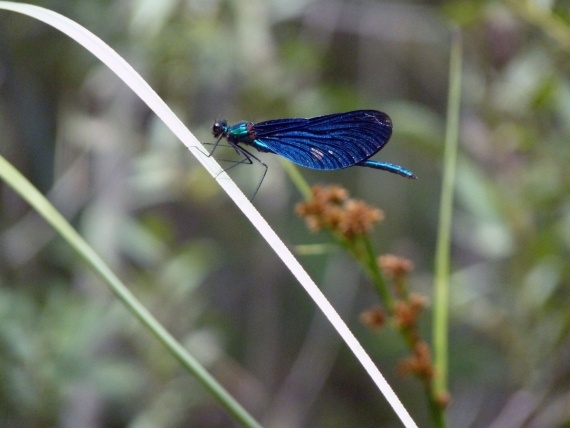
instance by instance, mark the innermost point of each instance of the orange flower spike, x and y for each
(324, 209)
(359, 218)
(312, 210)
(373, 318)
(419, 363)
(404, 316)
(422, 353)
(335, 194)
(418, 302)
(394, 266)
(333, 216)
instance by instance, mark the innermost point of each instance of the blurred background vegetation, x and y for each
(71, 356)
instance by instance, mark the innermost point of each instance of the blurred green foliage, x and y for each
(71, 356)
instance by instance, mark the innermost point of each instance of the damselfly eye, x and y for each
(219, 127)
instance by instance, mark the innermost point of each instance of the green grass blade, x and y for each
(44, 208)
(442, 257)
(297, 178)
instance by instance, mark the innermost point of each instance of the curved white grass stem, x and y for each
(116, 63)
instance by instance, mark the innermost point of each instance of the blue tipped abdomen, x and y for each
(390, 167)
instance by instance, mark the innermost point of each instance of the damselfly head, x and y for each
(219, 127)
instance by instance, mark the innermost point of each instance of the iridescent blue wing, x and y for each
(327, 142)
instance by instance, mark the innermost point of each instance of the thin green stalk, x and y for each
(297, 179)
(376, 275)
(442, 257)
(44, 208)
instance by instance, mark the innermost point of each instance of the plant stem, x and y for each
(442, 257)
(44, 208)
(376, 275)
